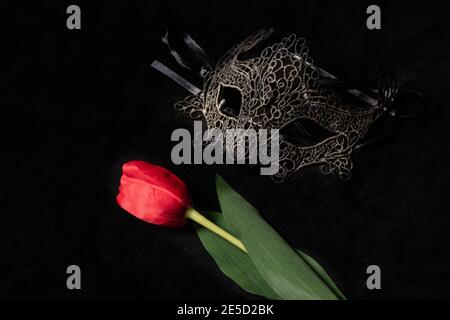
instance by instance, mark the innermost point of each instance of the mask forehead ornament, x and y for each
(278, 87)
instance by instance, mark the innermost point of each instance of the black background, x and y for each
(78, 104)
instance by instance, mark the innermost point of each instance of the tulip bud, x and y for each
(153, 194)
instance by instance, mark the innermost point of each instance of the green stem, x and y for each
(194, 215)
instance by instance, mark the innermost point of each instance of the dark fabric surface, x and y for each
(77, 104)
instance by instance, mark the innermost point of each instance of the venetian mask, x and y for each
(277, 86)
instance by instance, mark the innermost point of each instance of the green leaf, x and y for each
(322, 273)
(237, 265)
(287, 273)
(233, 262)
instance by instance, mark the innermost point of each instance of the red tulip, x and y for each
(155, 195)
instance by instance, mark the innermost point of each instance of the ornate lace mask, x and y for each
(280, 88)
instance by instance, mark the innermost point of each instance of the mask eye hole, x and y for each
(304, 132)
(229, 101)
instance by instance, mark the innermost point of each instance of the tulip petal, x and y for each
(153, 194)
